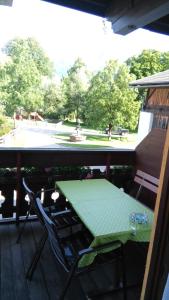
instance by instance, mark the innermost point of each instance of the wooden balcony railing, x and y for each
(14, 163)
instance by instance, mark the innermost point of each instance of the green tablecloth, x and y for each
(105, 211)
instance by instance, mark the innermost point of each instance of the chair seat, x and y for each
(80, 240)
(62, 220)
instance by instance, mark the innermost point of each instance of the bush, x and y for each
(5, 125)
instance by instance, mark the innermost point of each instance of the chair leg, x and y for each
(124, 274)
(36, 256)
(68, 282)
(23, 227)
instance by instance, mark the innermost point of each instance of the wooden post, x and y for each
(18, 177)
(108, 165)
(156, 268)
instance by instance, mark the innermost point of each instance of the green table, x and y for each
(105, 211)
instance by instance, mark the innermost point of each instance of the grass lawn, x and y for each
(96, 141)
(84, 146)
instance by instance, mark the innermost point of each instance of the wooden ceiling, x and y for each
(6, 2)
(125, 15)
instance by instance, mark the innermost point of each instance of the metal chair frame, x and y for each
(51, 210)
(63, 259)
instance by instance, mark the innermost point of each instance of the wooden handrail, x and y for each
(59, 157)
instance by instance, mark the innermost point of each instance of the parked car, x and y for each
(122, 131)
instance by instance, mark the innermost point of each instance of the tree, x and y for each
(53, 101)
(110, 100)
(3, 83)
(22, 50)
(24, 70)
(148, 63)
(74, 86)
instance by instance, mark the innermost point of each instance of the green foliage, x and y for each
(75, 85)
(22, 75)
(53, 101)
(29, 50)
(5, 125)
(148, 63)
(97, 100)
(110, 100)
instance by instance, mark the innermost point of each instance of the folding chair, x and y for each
(144, 180)
(69, 250)
(67, 219)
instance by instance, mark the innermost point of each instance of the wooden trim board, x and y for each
(156, 268)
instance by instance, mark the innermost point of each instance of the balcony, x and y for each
(15, 258)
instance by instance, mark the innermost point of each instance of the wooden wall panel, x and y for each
(149, 152)
(158, 259)
(148, 159)
(159, 97)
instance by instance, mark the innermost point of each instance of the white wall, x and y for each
(145, 125)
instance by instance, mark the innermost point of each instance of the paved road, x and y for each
(38, 134)
(32, 135)
(42, 134)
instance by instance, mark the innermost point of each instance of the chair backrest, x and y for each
(29, 192)
(145, 180)
(32, 198)
(52, 236)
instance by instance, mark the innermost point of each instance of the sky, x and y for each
(66, 34)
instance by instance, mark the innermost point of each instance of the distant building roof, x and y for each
(160, 79)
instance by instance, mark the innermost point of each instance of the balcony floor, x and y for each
(48, 280)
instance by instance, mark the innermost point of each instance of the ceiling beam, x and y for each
(127, 16)
(89, 6)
